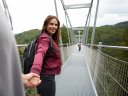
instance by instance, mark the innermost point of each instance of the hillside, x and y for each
(108, 34)
(122, 24)
(27, 36)
(116, 35)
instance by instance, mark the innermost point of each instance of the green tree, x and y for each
(64, 34)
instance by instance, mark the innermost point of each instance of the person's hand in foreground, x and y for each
(34, 80)
(30, 76)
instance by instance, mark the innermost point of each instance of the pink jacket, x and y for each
(52, 65)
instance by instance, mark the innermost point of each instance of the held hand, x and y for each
(35, 81)
(27, 79)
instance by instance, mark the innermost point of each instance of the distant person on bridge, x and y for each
(47, 66)
(11, 77)
(79, 46)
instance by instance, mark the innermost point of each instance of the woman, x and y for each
(45, 64)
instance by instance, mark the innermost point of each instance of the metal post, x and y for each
(79, 36)
(60, 34)
(71, 32)
(67, 29)
(93, 32)
(97, 64)
(88, 29)
(68, 49)
(56, 8)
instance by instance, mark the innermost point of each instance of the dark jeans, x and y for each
(47, 86)
(79, 48)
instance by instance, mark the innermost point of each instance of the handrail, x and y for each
(109, 46)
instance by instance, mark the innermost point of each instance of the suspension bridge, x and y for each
(88, 72)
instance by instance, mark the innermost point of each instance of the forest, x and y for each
(113, 35)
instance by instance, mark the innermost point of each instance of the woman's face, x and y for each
(52, 26)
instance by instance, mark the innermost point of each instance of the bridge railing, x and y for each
(109, 74)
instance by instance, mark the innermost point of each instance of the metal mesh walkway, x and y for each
(74, 79)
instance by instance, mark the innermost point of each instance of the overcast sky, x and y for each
(30, 14)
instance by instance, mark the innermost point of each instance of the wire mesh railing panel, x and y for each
(111, 75)
(31, 92)
(92, 62)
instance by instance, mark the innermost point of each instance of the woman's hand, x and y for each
(35, 81)
(28, 77)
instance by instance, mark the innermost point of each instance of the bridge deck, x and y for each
(74, 79)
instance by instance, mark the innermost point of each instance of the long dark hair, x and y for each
(56, 35)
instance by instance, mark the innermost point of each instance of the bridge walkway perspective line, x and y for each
(74, 79)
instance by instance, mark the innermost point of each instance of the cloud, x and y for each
(112, 11)
(30, 14)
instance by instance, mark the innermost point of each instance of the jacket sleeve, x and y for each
(43, 44)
